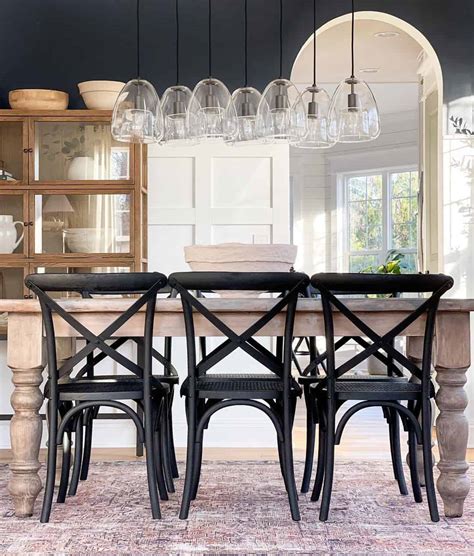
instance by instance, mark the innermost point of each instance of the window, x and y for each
(381, 213)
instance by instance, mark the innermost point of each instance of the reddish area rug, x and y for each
(241, 509)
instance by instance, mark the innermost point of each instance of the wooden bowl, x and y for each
(38, 99)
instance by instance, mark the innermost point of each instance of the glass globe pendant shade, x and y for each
(211, 115)
(137, 115)
(244, 105)
(316, 102)
(353, 112)
(175, 105)
(281, 114)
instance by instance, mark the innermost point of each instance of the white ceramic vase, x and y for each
(9, 239)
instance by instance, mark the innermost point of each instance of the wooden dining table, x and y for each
(26, 359)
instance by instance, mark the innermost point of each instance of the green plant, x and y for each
(391, 265)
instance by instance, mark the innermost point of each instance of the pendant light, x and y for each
(137, 116)
(175, 104)
(281, 114)
(353, 113)
(316, 102)
(211, 114)
(245, 101)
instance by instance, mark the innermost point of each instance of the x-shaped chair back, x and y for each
(146, 284)
(329, 283)
(285, 283)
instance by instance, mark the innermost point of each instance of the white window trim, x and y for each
(342, 216)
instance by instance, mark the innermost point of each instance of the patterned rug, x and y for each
(241, 509)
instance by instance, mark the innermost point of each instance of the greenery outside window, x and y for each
(380, 214)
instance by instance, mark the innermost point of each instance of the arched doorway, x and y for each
(404, 72)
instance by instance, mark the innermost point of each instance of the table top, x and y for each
(244, 305)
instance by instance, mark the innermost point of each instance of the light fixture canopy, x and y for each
(175, 105)
(137, 115)
(211, 115)
(281, 114)
(316, 102)
(353, 112)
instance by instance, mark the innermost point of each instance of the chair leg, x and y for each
(415, 482)
(288, 459)
(197, 468)
(160, 478)
(428, 460)
(66, 466)
(86, 457)
(318, 481)
(76, 469)
(282, 463)
(149, 422)
(188, 481)
(165, 448)
(310, 437)
(174, 464)
(51, 468)
(329, 448)
(394, 431)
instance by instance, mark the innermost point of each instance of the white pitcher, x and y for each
(8, 233)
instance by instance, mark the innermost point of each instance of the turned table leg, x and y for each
(452, 361)
(26, 362)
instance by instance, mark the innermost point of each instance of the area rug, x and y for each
(241, 508)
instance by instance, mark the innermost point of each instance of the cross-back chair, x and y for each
(333, 391)
(274, 393)
(72, 393)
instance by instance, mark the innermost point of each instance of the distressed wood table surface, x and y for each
(26, 361)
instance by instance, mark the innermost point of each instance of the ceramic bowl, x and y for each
(88, 240)
(100, 95)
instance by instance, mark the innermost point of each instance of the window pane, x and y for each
(374, 238)
(374, 213)
(357, 226)
(415, 184)
(401, 210)
(402, 237)
(409, 263)
(357, 188)
(358, 263)
(374, 187)
(400, 184)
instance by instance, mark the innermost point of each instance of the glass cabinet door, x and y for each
(83, 223)
(12, 223)
(13, 152)
(77, 152)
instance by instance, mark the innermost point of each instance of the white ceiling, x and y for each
(396, 58)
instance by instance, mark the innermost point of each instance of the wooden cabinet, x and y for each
(77, 196)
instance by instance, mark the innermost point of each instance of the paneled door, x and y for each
(213, 193)
(210, 194)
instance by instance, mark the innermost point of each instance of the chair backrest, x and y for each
(328, 284)
(289, 284)
(145, 283)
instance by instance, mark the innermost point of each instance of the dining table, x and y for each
(26, 360)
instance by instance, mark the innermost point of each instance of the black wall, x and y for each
(58, 43)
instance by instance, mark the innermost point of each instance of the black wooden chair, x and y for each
(169, 376)
(274, 393)
(330, 393)
(315, 372)
(72, 395)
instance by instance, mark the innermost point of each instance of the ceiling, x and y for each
(395, 59)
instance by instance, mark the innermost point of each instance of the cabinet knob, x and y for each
(26, 150)
(26, 296)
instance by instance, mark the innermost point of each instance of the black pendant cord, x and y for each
(314, 43)
(138, 38)
(177, 40)
(352, 41)
(210, 38)
(281, 39)
(246, 44)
